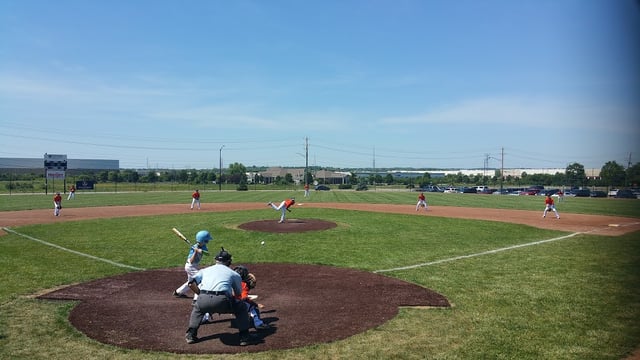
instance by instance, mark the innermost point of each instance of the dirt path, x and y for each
(592, 224)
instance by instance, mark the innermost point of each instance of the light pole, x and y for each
(220, 175)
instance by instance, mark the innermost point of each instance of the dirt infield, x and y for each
(593, 224)
(304, 303)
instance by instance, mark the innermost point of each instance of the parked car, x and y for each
(322, 188)
(530, 192)
(487, 191)
(427, 188)
(469, 190)
(549, 192)
(451, 190)
(598, 193)
(582, 193)
(626, 194)
(362, 187)
(613, 192)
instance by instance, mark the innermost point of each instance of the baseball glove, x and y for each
(251, 281)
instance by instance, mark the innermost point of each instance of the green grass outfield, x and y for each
(574, 298)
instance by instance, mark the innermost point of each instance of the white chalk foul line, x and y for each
(71, 251)
(478, 254)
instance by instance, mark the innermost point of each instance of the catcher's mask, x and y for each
(242, 270)
(223, 257)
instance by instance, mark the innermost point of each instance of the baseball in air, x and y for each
(262, 243)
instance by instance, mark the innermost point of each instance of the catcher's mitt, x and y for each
(251, 281)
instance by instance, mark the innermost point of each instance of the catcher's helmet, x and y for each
(203, 236)
(223, 256)
(242, 270)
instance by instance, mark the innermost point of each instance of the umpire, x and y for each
(216, 286)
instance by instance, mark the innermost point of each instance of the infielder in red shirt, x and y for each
(195, 199)
(422, 201)
(549, 205)
(57, 204)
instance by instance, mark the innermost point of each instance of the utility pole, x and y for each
(502, 170)
(626, 173)
(374, 169)
(220, 177)
(484, 169)
(306, 162)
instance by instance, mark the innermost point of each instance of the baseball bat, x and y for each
(184, 238)
(181, 236)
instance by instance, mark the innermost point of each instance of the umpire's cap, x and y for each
(223, 257)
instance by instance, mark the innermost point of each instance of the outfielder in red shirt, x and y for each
(283, 207)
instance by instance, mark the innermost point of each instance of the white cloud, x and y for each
(520, 111)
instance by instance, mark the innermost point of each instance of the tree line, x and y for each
(612, 175)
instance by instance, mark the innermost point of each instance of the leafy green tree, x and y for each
(613, 174)
(237, 173)
(151, 177)
(309, 178)
(113, 176)
(575, 175)
(130, 176)
(388, 179)
(242, 186)
(353, 178)
(633, 175)
(288, 178)
(426, 178)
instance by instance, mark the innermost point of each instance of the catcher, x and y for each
(253, 308)
(248, 283)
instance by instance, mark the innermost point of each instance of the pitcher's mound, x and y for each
(288, 226)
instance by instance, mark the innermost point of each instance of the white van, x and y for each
(481, 188)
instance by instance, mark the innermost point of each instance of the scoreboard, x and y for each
(55, 162)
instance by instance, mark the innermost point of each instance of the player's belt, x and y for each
(213, 292)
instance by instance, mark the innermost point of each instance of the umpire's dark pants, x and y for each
(221, 304)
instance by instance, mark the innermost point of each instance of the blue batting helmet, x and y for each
(203, 236)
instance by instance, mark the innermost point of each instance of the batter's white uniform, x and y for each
(191, 268)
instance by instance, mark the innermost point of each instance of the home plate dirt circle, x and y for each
(289, 226)
(302, 303)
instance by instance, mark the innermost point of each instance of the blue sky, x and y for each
(397, 83)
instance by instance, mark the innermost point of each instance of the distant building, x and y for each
(75, 166)
(328, 177)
